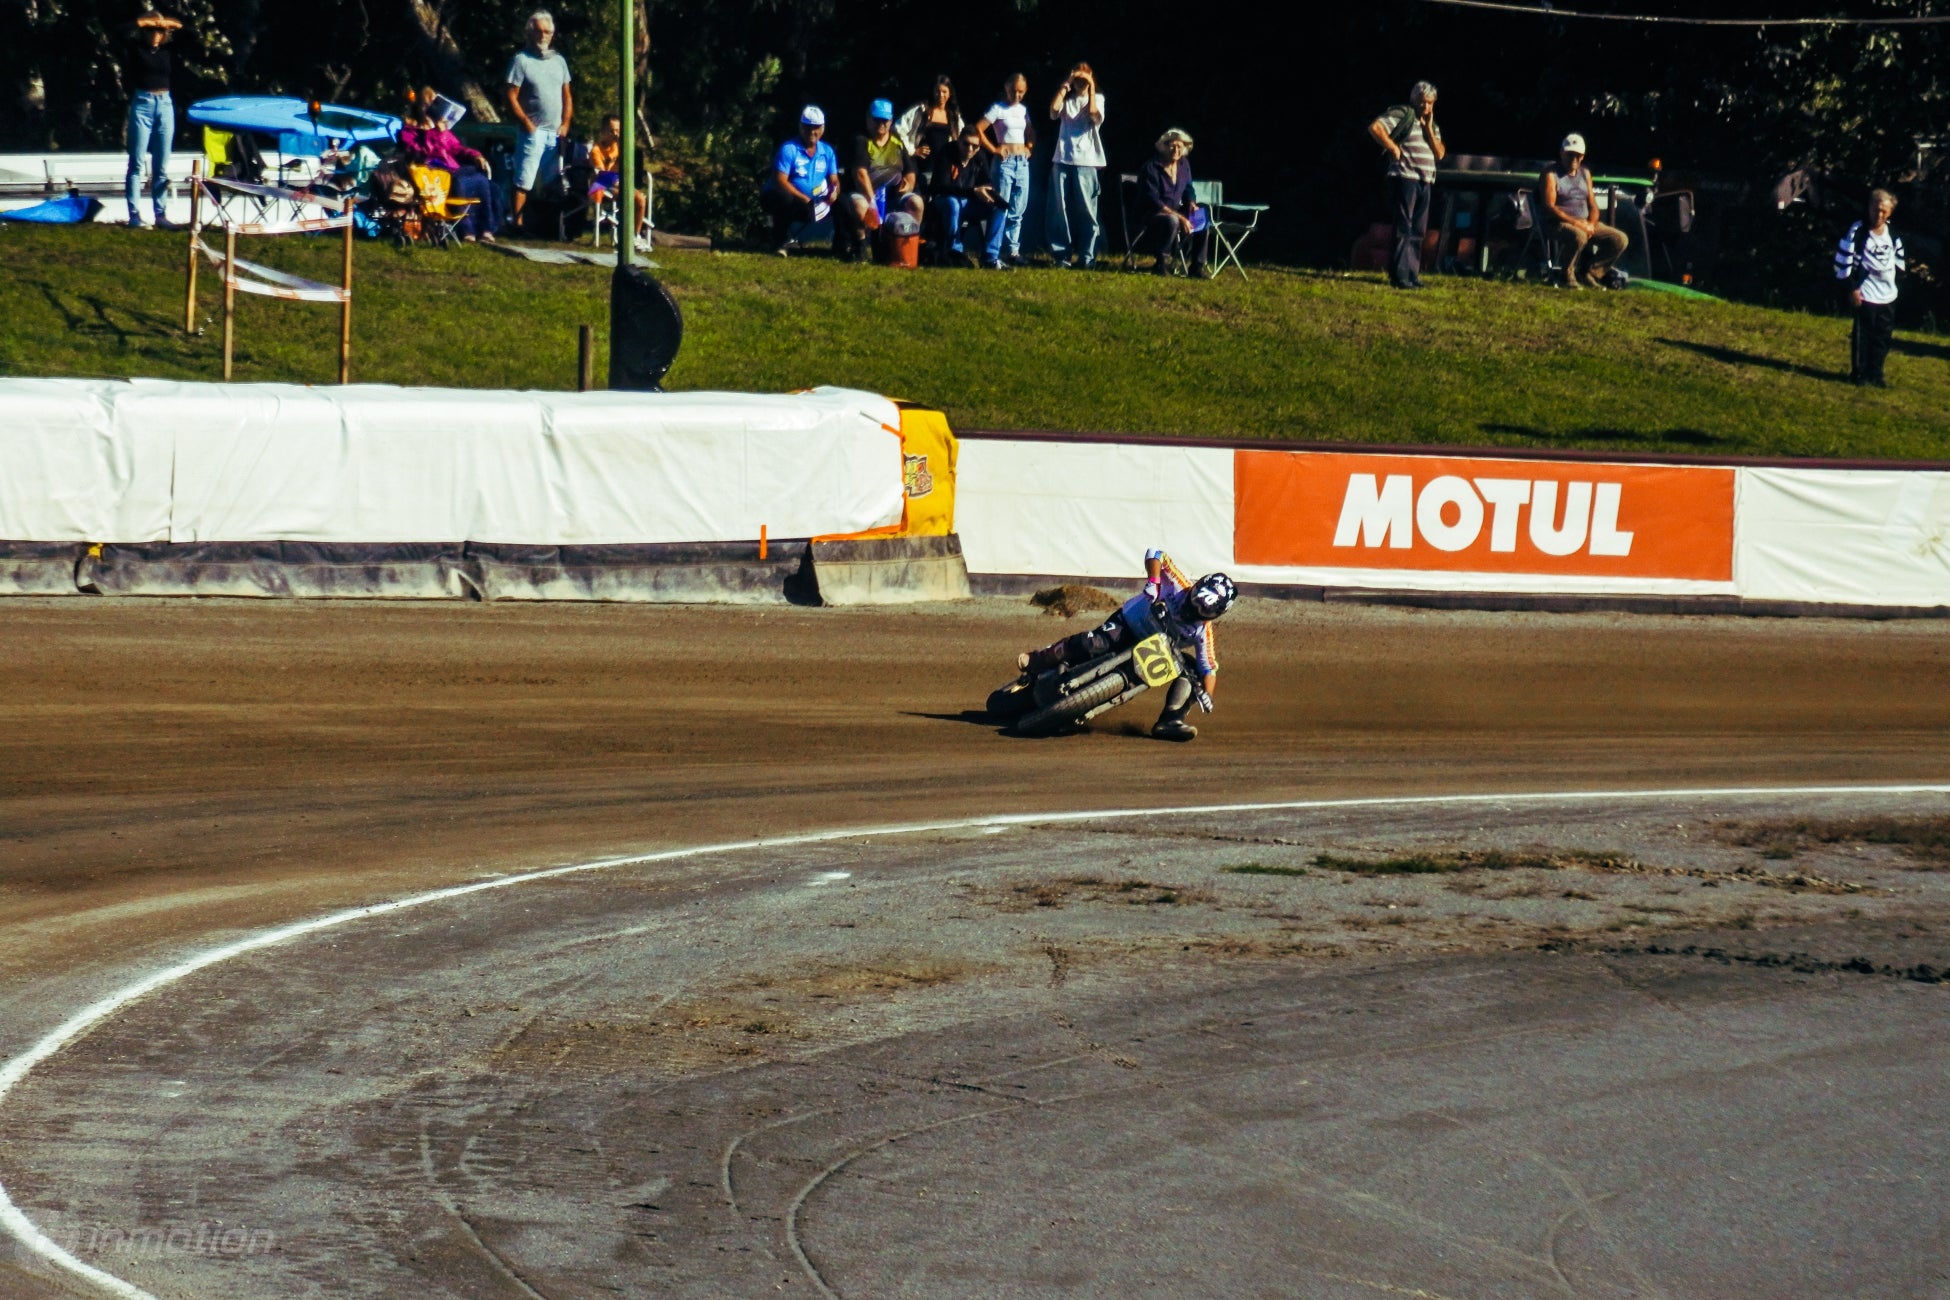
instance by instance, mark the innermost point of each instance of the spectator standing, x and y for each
(540, 97)
(1005, 137)
(929, 130)
(805, 180)
(1413, 142)
(967, 195)
(1867, 262)
(427, 139)
(1171, 215)
(1571, 202)
(152, 115)
(880, 176)
(1071, 225)
(606, 175)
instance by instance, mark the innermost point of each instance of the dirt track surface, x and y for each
(178, 772)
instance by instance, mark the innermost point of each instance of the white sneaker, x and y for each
(642, 244)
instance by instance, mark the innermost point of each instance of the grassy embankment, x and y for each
(1292, 354)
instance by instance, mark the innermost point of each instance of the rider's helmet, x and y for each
(1210, 596)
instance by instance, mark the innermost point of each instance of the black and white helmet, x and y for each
(1210, 597)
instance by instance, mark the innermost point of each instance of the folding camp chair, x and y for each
(440, 212)
(1539, 248)
(1231, 224)
(1135, 240)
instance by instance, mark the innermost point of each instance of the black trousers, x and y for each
(785, 211)
(1409, 201)
(1169, 236)
(1868, 342)
(1113, 635)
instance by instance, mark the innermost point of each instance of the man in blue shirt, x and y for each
(804, 182)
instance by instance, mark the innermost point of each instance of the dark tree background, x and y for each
(1277, 96)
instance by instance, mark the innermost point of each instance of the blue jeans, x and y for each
(1012, 188)
(152, 130)
(1072, 229)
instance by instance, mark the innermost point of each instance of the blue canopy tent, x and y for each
(292, 123)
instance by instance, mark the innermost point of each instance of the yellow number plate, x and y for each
(1155, 661)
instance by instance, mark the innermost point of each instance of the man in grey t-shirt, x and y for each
(540, 98)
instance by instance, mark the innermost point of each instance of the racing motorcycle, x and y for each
(1046, 702)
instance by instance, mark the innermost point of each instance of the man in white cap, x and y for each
(1571, 203)
(805, 180)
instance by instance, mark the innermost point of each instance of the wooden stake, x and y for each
(229, 295)
(345, 308)
(196, 210)
(585, 358)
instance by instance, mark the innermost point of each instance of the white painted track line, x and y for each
(16, 1224)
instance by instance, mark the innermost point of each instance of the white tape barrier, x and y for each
(83, 1022)
(251, 277)
(1458, 523)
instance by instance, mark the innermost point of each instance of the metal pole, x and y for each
(345, 308)
(196, 233)
(229, 294)
(585, 358)
(626, 110)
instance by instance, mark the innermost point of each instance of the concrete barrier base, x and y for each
(711, 573)
(890, 570)
(275, 570)
(39, 568)
(795, 571)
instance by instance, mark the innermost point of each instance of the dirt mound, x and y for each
(1074, 598)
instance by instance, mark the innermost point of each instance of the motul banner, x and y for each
(1468, 515)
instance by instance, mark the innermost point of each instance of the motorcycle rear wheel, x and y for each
(1011, 701)
(1073, 706)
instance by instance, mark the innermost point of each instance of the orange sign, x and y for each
(1471, 515)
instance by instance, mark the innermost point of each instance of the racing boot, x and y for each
(1171, 724)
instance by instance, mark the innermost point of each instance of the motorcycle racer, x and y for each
(1189, 611)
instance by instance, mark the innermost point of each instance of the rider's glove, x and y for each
(1151, 589)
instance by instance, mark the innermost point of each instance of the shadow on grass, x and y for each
(1918, 348)
(1593, 433)
(1735, 357)
(94, 318)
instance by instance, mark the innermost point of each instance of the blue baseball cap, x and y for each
(812, 116)
(882, 110)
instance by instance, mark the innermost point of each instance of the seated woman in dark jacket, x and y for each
(428, 142)
(1171, 215)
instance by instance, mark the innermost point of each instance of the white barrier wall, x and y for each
(149, 461)
(1091, 509)
(1458, 523)
(1862, 537)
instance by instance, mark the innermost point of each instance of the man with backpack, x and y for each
(1407, 133)
(1867, 262)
